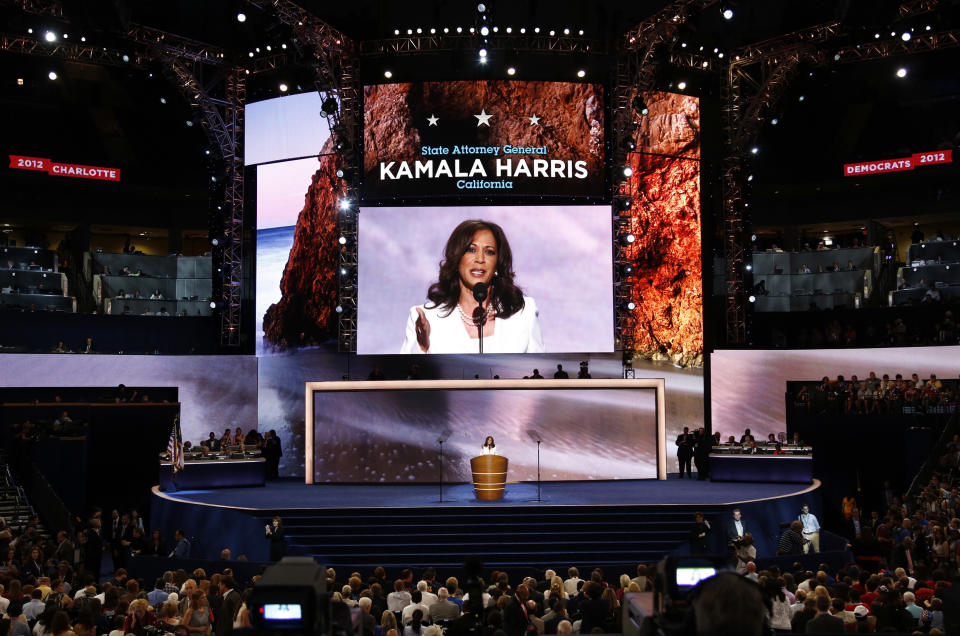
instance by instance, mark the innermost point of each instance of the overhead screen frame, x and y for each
(657, 385)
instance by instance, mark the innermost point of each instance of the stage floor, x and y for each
(290, 495)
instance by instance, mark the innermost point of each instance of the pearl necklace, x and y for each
(468, 320)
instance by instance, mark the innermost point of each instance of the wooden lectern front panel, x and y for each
(489, 476)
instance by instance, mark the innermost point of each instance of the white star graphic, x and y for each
(483, 119)
(534, 120)
(433, 120)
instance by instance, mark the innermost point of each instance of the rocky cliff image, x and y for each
(666, 212)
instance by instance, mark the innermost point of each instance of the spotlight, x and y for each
(629, 238)
(640, 106)
(774, 121)
(446, 29)
(748, 267)
(409, 31)
(581, 73)
(50, 36)
(906, 36)
(189, 123)
(754, 150)
(482, 8)
(342, 240)
(631, 305)
(433, 31)
(125, 57)
(483, 52)
(250, 54)
(628, 172)
(752, 298)
(509, 29)
(388, 73)
(329, 106)
(750, 178)
(901, 72)
(536, 29)
(459, 29)
(484, 30)
(213, 304)
(241, 17)
(340, 173)
(580, 32)
(344, 204)
(523, 30)
(338, 309)
(419, 30)
(283, 87)
(552, 33)
(66, 36)
(52, 75)
(511, 71)
(728, 14)
(682, 85)
(396, 31)
(801, 98)
(215, 242)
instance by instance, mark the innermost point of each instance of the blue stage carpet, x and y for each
(286, 494)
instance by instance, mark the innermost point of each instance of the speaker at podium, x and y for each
(489, 476)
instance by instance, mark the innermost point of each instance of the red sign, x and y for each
(64, 169)
(897, 165)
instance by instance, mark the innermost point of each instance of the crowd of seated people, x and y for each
(877, 395)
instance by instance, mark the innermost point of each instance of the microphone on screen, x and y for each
(480, 292)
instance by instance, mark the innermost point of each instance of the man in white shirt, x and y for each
(900, 573)
(570, 585)
(4, 602)
(416, 604)
(811, 529)
(429, 598)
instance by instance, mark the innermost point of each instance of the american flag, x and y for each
(175, 446)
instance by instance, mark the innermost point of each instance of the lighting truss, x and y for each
(757, 77)
(468, 41)
(337, 78)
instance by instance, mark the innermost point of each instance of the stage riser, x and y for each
(514, 537)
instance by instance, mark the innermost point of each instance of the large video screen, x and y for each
(483, 138)
(391, 436)
(557, 258)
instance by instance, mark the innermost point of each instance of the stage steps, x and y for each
(507, 537)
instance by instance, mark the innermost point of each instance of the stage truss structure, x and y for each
(755, 78)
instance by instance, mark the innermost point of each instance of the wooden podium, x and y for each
(489, 476)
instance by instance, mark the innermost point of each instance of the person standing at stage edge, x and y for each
(685, 444)
(701, 454)
(274, 532)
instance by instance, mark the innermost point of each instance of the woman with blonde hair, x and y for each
(388, 621)
(556, 588)
(820, 590)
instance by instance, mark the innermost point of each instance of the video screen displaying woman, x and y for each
(546, 272)
(476, 253)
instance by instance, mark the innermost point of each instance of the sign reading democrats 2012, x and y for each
(483, 138)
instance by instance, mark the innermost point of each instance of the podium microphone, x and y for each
(479, 314)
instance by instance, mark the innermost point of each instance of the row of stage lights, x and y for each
(484, 31)
(510, 70)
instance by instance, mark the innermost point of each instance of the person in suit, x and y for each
(685, 444)
(535, 595)
(593, 609)
(698, 534)
(223, 625)
(93, 553)
(444, 609)
(736, 528)
(516, 617)
(824, 622)
(701, 453)
(366, 623)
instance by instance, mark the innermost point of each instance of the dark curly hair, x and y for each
(505, 296)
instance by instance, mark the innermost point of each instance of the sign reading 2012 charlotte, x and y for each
(483, 138)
